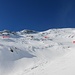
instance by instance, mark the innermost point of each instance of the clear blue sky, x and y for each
(36, 14)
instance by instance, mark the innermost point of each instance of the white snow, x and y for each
(50, 52)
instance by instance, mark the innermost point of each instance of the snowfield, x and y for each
(28, 52)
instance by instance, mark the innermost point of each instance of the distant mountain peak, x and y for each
(27, 31)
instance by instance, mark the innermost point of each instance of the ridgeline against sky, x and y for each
(36, 14)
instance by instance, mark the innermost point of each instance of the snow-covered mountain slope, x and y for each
(27, 52)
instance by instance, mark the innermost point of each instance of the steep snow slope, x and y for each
(28, 52)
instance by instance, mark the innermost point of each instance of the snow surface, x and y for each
(50, 52)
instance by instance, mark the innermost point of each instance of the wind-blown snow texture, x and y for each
(28, 52)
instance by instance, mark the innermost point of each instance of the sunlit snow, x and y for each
(28, 52)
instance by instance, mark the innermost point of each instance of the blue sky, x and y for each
(37, 15)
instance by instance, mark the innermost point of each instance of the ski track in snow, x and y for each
(49, 52)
